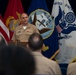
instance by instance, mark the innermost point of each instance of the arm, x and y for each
(58, 70)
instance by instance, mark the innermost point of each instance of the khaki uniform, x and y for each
(71, 70)
(45, 66)
(22, 35)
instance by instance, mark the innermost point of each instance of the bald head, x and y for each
(24, 19)
(24, 14)
(35, 42)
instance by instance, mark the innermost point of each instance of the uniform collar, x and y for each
(21, 26)
(36, 53)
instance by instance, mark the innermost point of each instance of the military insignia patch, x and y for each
(43, 21)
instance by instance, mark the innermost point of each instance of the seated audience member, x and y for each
(44, 66)
(71, 70)
(16, 60)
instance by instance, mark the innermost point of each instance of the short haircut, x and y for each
(35, 41)
(22, 14)
(16, 60)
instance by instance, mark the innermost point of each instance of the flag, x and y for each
(12, 15)
(39, 15)
(65, 21)
(4, 31)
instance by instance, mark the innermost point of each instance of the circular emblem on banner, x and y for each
(43, 21)
(13, 24)
(70, 17)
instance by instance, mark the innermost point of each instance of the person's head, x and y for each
(24, 18)
(35, 42)
(16, 60)
(2, 41)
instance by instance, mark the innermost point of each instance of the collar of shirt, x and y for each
(37, 53)
(24, 27)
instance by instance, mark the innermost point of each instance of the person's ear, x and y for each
(27, 45)
(20, 20)
(43, 46)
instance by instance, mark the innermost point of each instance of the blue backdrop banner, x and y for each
(39, 15)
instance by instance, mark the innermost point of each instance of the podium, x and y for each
(18, 43)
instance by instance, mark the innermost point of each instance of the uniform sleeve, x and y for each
(58, 70)
(36, 30)
(71, 69)
(68, 70)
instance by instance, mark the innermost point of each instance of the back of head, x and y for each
(35, 42)
(16, 60)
